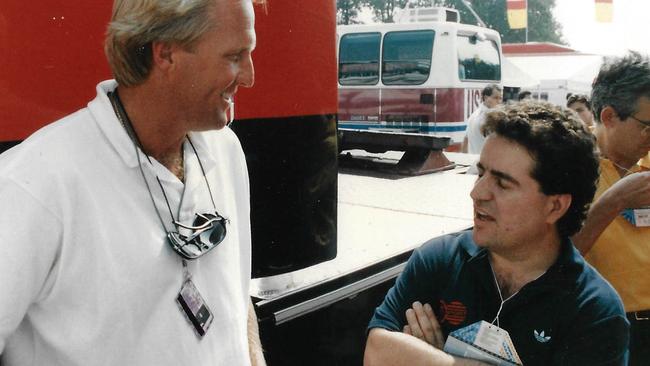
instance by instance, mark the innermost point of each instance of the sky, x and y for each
(628, 30)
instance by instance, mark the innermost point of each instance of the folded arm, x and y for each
(421, 342)
(385, 347)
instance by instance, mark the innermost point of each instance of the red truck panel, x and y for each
(52, 58)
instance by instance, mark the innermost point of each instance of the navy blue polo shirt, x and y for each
(580, 314)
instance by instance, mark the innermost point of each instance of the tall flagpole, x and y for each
(526, 21)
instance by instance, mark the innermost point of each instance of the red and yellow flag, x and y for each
(518, 13)
(604, 11)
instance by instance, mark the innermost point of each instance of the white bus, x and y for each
(421, 77)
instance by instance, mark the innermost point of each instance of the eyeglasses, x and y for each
(207, 231)
(646, 124)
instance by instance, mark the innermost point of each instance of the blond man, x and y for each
(129, 240)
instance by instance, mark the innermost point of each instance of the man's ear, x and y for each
(558, 205)
(608, 116)
(162, 55)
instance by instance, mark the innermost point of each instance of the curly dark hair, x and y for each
(524, 94)
(489, 90)
(563, 150)
(620, 83)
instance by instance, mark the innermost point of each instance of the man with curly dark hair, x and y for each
(517, 268)
(615, 239)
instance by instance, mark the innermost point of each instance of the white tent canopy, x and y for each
(555, 75)
(580, 68)
(515, 77)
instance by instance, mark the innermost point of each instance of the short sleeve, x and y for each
(417, 282)
(29, 240)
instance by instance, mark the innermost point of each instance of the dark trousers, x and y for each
(639, 338)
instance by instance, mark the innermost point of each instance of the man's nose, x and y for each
(246, 76)
(480, 191)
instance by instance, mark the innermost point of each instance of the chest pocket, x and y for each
(461, 302)
(467, 297)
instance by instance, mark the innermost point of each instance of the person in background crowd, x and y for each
(517, 268)
(581, 105)
(524, 94)
(491, 96)
(616, 236)
(125, 237)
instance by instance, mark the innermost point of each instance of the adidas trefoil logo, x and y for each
(541, 338)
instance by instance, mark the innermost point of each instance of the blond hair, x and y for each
(135, 24)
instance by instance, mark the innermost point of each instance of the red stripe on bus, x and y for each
(402, 105)
(450, 104)
(399, 103)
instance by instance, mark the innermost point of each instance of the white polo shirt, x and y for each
(86, 274)
(475, 138)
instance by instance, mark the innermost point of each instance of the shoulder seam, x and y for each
(35, 198)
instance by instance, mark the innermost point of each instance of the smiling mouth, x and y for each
(482, 216)
(231, 107)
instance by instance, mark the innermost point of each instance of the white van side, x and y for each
(415, 77)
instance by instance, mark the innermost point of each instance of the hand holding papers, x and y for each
(484, 342)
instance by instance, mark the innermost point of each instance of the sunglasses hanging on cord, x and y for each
(207, 231)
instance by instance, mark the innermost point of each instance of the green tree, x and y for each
(542, 26)
(385, 9)
(347, 11)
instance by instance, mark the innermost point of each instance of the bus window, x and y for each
(407, 57)
(359, 59)
(478, 59)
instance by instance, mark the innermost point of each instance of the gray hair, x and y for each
(620, 83)
(135, 24)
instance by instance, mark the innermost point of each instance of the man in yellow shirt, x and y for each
(613, 239)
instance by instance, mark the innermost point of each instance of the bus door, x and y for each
(472, 101)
